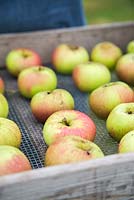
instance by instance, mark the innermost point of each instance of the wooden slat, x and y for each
(45, 41)
(109, 178)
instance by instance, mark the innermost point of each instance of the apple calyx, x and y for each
(109, 84)
(25, 54)
(83, 145)
(130, 112)
(73, 47)
(49, 92)
(106, 46)
(40, 68)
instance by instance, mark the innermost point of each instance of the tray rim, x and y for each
(46, 173)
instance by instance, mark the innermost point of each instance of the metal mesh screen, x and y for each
(33, 144)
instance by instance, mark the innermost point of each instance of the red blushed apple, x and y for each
(125, 68)
(103, 99)
(68, 122)
(9, 133)
(89, 76)
(43, 104)
(21, 58)
(36, 79)
(70, 149)
(12, 160)
(2, 85)
(106, 53)
(65, 57)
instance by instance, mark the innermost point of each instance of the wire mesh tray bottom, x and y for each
(33, 144)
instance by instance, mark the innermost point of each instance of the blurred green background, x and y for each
(108, 11)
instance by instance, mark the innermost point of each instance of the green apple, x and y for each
(21, 58)
(36, 79)
(126, 144)
(91, 75)
(4, 107)
(68, 122)
(70, 149)
(12, 160)
(125, 68)
(130, 47)
(43, 104)
(106, 53)
(103, 99)
(9, 133)
(121, 120)
(65, 57)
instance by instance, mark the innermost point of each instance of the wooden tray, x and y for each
(108, 178)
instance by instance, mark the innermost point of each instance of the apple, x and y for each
(106, 53)
(4, 107)
(65, 57)
(36, 79)
(2, 85)
(125, 68)
(68, 122)
(70, 149)
(21, 58)
(126, 144)
(130, 47)
(12, 160)
(9, 133)
(89, 76)
(121, 120)
(103, 99)
(43, 104)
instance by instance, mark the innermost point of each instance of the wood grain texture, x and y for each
(109, 178)
(45, 41)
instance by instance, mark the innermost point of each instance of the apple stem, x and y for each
(64, 121)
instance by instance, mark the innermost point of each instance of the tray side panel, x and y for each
(110, 178)
(45, 41)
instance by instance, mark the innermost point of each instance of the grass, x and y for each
(108, 11)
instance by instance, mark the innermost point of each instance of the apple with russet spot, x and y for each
(2, 85)
(120, 120)
(21, 58)
(36, 79)
(103, 99)
(4, 106)
(43, 104)
(68, 122)
(12, 160)
(107, 53)
(10, 133)
(91, 75)
(125, 68)
(65, 57)
(71, 149)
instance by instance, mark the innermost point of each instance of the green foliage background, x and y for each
(108, 11)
